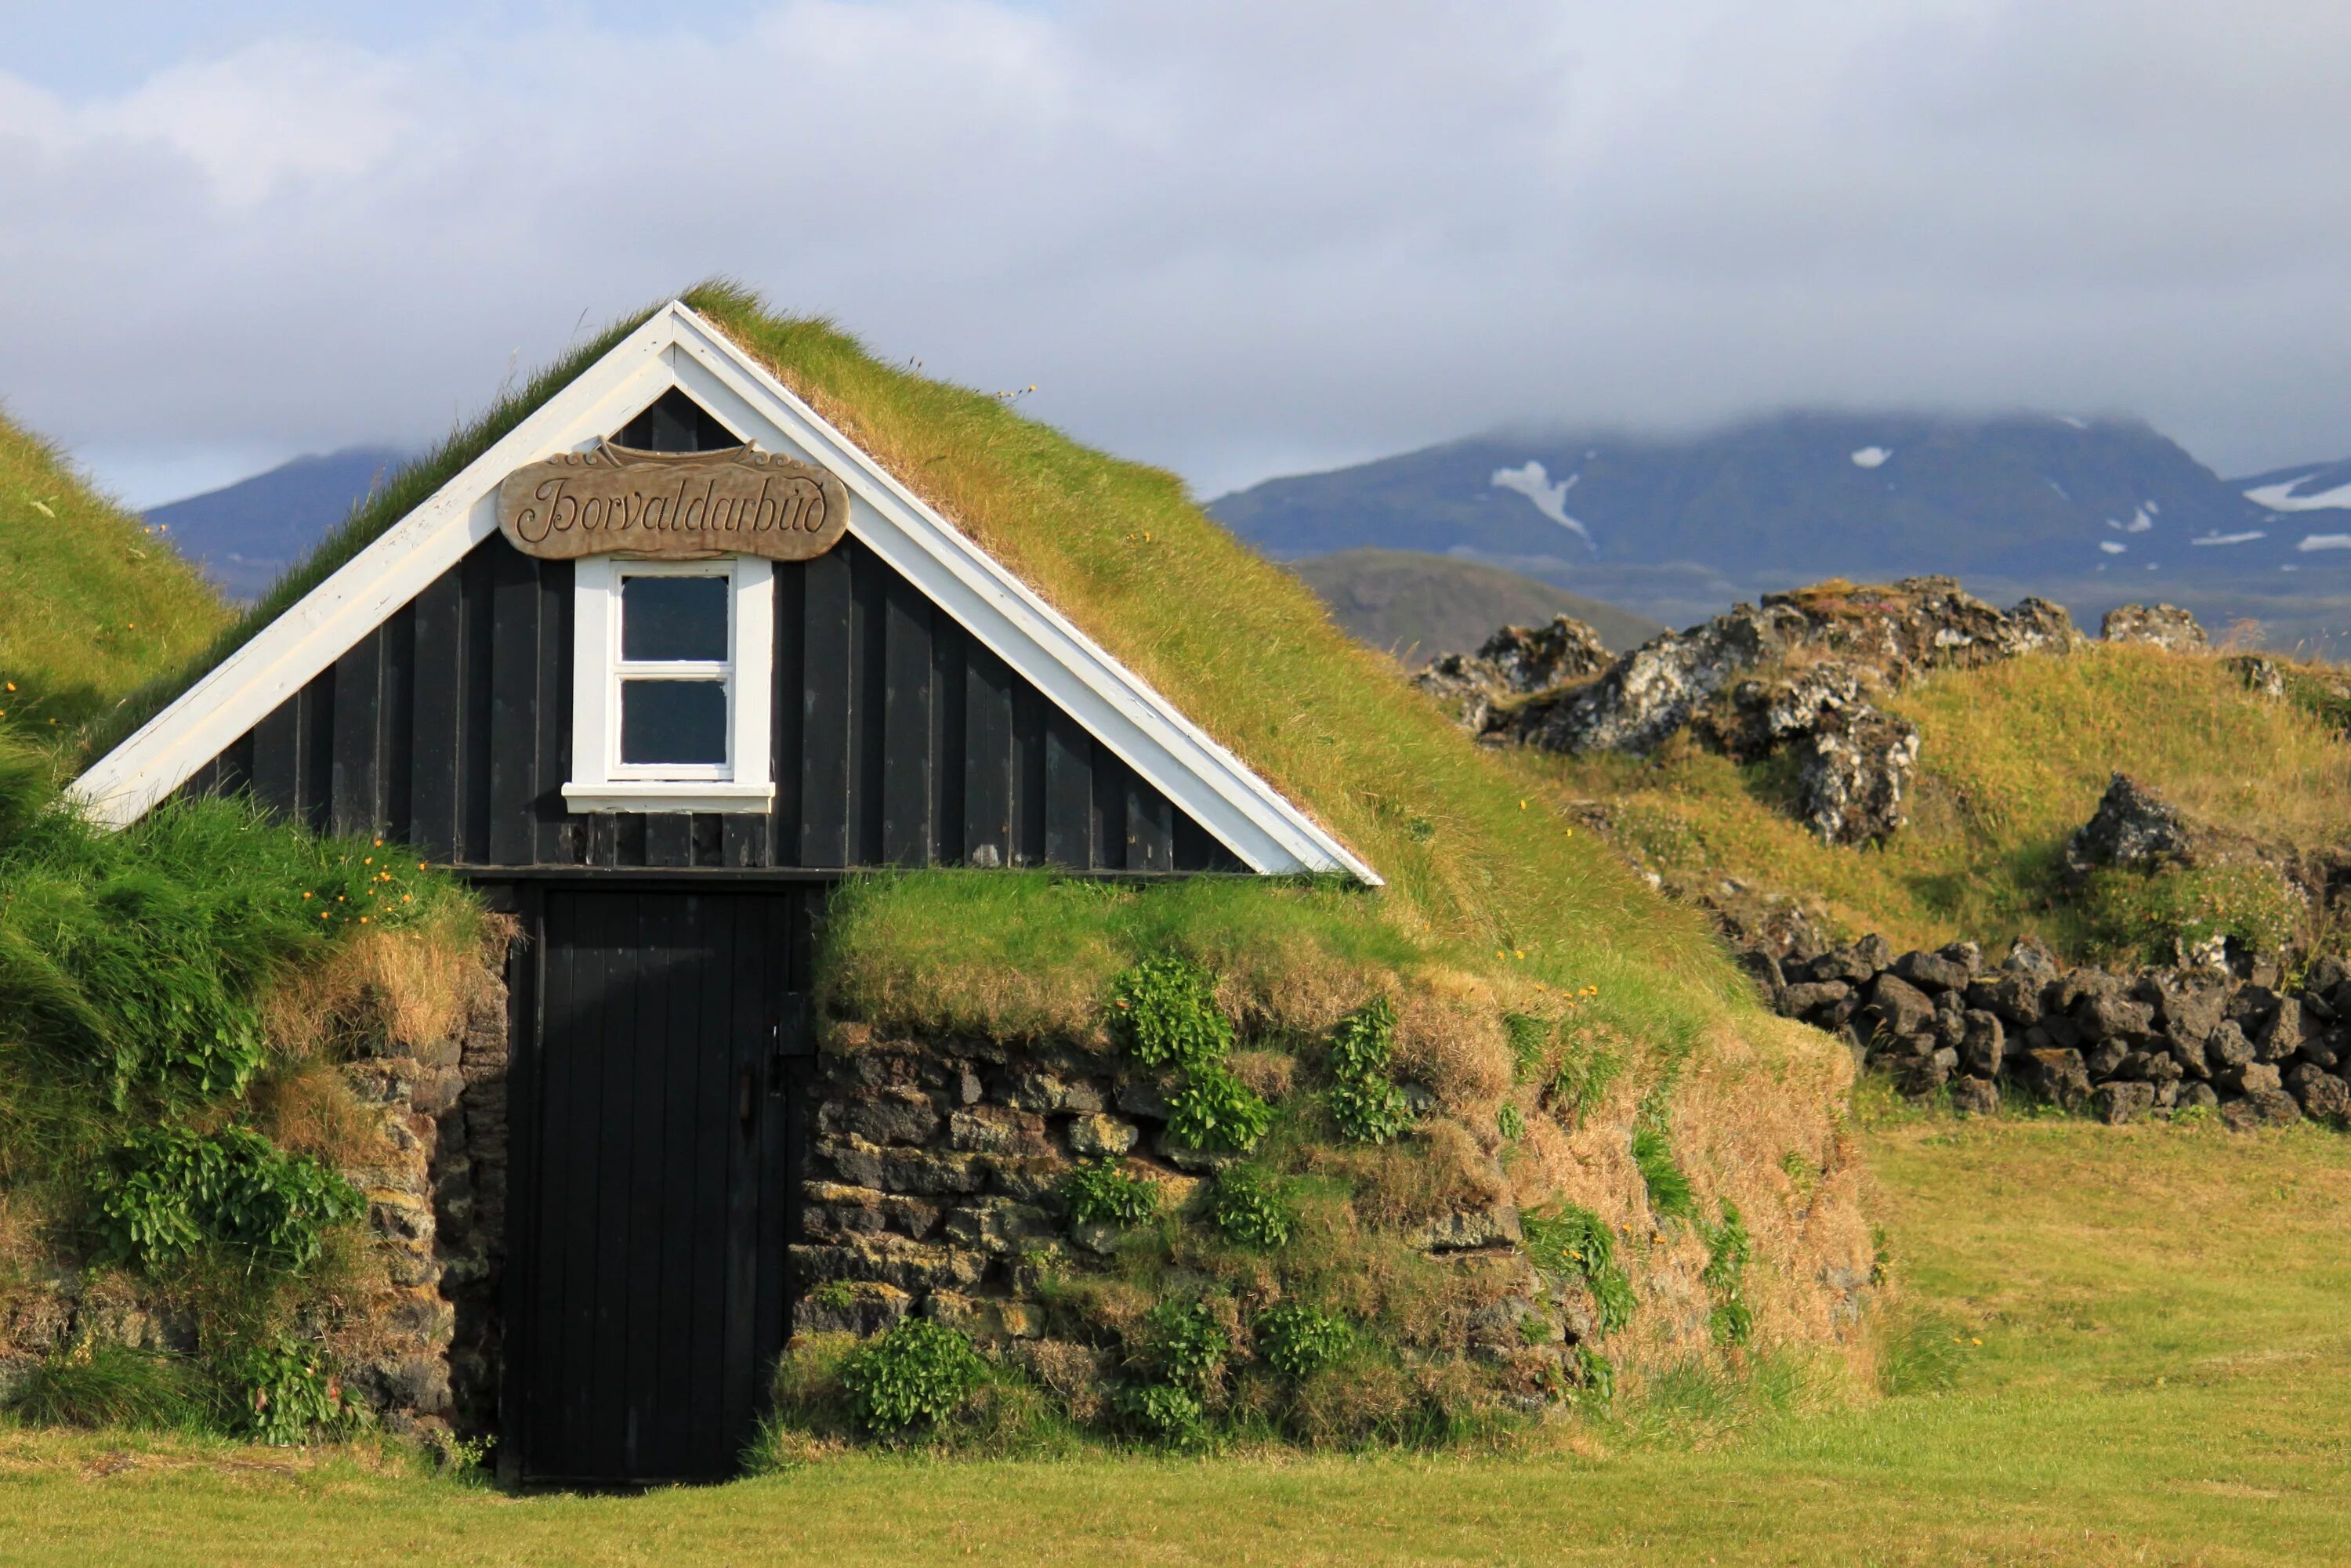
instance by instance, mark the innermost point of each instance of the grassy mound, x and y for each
(2013, 759)
(92, 603)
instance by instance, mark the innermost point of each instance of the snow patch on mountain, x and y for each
(1534, 482)
(2280, 498)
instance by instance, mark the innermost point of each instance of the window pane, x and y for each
(673, 721)
(674, 618)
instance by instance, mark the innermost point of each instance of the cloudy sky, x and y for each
(1233, 236)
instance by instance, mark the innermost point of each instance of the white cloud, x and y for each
(2325, 541)
(2247, 537)
(1872, 456)
(2110, 547)
(1230, 237)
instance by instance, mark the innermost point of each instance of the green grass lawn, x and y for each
(2159, 1379)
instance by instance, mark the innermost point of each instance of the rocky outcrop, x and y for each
(1878, 636)
(1853, 769)
(1511, 664)
(1801, 670)
(2133, 828)
(2136, 829)
(2165, 626)
(2122, 1047)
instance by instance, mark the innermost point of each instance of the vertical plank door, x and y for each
(649, 1292)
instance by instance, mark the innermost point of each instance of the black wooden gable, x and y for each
(897, 739)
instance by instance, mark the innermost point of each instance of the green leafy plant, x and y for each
(1576, 1243)
(1100, 1192)
(1184, 1343)
(1365, 1103)
(287, 1392)
(1670, 1195)
(1510, 1122)
(1163, 1411)
(173, 1190)
(1728, 1248)
(1595, 1374)
(1250, 1207)
(1359, 1046)
(1370, 1111)
(1164, 1010)
(917, 1371)
(1299, 1341)
(1214, 1110)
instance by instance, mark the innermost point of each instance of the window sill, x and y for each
(646, 795)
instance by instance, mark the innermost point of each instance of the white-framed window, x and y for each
(671, 666)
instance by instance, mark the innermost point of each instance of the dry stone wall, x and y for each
(935, 1188)
(2124, 1047)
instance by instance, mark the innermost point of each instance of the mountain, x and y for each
(2090, 512)
(1418, 606)
(244, 534)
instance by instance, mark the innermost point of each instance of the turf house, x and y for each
(972, 953)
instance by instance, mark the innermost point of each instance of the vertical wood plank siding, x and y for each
(898, 741)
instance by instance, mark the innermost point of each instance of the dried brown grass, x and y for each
(411, 985)
(1352, 1402)
(22, 1254)
(1273, 1073)
(1440, 1169)
(1074, 1374)
(309, 1109)
(1449, 1037)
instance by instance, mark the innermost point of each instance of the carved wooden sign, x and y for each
(671, 506)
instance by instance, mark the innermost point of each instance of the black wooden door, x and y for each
(649, 1295)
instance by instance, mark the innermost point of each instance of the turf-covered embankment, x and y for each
(92, 602)
(187, 1160)
(1255, 1162)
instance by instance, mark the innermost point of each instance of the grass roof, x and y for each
(92, 603)
(1473, 853)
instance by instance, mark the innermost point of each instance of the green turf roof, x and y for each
(1465, 837)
